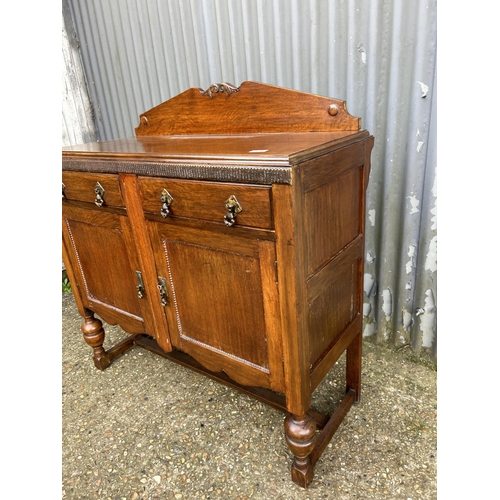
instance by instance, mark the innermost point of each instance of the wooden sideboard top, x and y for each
(276, 148)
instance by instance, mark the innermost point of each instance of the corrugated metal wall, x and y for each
(378, 55)
(77, 114)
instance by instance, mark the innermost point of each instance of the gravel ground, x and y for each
(146, 428)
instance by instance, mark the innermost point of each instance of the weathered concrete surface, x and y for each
(146, 428)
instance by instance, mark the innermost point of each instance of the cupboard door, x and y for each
(101, 250)
(222, 307)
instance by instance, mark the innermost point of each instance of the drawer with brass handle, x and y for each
(227, 203)
(99, 189)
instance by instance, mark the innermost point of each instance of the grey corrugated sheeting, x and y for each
(77, 117)
(379, 56)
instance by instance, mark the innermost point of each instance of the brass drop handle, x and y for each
(233, 209)
(140, 285)
(166, 199)
(99, 195)
(63, 193)
(162, 287)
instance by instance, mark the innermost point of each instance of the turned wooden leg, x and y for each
(93, 333)
(353, 366)
(300, 434)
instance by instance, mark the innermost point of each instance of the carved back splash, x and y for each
(251, 108)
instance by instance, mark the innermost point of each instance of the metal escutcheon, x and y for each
(162, 287)
(166, 199)
(233, 209)
(99, 195)
(140, 285)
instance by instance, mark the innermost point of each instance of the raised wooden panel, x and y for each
(332, 217)
(315, 173)
(102, 249)
(213, 291)
(331, 310)
(206, 200)
(81, 187)
(333, 300)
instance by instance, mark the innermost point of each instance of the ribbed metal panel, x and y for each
(77, 115)
(378, 55)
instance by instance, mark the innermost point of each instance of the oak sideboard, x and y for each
(227, 235)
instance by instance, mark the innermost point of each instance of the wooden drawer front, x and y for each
(206, 200)
(81, 186)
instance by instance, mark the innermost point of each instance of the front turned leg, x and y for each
(93, 333)
(300, 434)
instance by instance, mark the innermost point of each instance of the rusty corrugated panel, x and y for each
(379, 56)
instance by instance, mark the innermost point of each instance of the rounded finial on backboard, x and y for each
(333, 109)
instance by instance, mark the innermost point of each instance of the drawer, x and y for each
(80, 186)
(207, 200)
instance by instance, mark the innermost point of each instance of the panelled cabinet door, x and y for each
(222, 306)
(102, 254)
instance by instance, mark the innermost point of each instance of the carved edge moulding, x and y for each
(209, 171)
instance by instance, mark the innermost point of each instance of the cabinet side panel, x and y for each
(332, 217)
(334, 187)
(333, 301)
